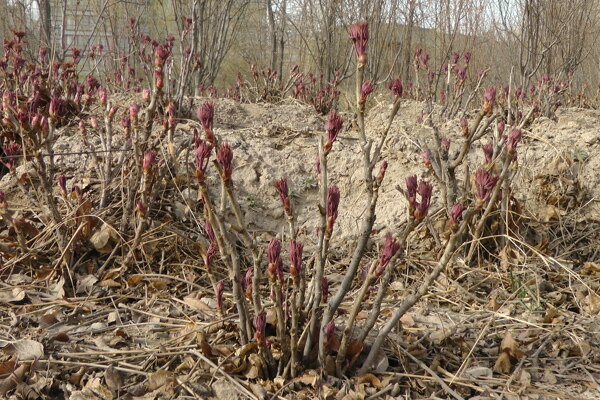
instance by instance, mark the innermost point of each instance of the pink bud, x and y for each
(488, 152)
(464, 126)
(445, 144)
(333, 201)
(11, 151)
(112, 112)
(333, 126)
(211, 252)
(275, 266)
(62, 183)
(365, 90)
(224, 158)
(426, 156)
(296, 258)
(329, 330)
(141, 208)
(210, 232)
(489, 100)
(389, 249)
(206, 115)
(202, 152)
(411, 192)
(146, 95)
(514, 137)
(359, 34)
(133, 112)
(501, 126)
(324, 290)
(396, 88)
(456, 214)
(425, 190)
(382, 168)
(103, 96)
(94, 122)
(484, 185)
(149, 161)
(260, 321)
(283, 191)
(219, 294)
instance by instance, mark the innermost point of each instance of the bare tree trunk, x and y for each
(45, 22)
(282, 21)
(407, 41)
(273, 32)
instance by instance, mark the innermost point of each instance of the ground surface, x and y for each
(144, 333)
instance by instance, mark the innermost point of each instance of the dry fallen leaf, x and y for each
(198, 305)
(509, 346)
(13, 295)
(13, 379)
(25, 350)
(101, 239)
(593, 303)
(113, 379)
(160, 379)
(370, 379)
(549, 377)
(502, 365)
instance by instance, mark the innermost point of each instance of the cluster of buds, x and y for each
(260, 322)
(501, 125)
(11, 152)
(112, 112)
(484, 185)
(161, 53)
(333, 201)
(206, 116)
(296, 249)
(514, 137)
(489, 100)
(389, 249)
(224, 158)
(57, 108)
(202, 152)
(275, 267)
(102, 96)
(396, 89)
(359, 34)
(455, 215)
(134, 110)
(126, 124)
(420, 209)
(333, 126)
(149, 161)
(284, 194)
